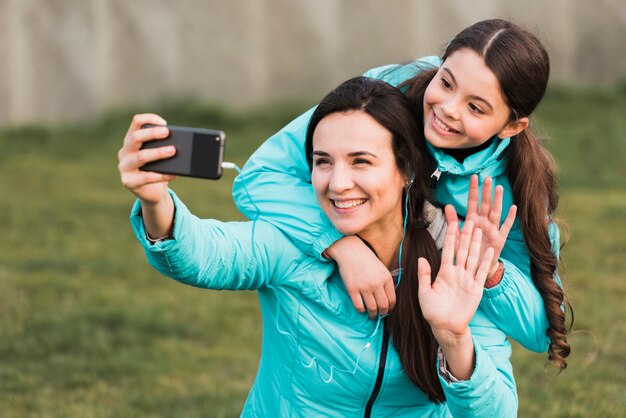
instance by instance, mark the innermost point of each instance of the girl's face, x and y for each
(463, 104)
(355, 177)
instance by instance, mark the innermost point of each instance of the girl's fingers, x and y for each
(485, 204)
(496, 209)
(509, 221)
(464, 243)
(472, 198)
(449, 243)
(370, 304)
(357, 301)
(382, 302)
(390, 291)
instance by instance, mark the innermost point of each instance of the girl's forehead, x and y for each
(470, 73)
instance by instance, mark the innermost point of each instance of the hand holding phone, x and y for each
(199, 152)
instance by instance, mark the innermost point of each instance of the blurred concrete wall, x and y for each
(66, 59)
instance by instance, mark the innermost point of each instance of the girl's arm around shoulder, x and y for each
(275, 185)
(516, 306)
(219, 255)
(395, 74)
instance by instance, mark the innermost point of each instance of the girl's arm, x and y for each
(275, 185)
(512, 301)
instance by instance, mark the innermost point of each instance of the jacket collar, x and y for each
(491, 159)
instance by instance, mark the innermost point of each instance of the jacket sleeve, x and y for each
(275, 183)
(515, 304)
(217, 255)
(491, 390)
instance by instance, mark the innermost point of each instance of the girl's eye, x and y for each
(445, 83)
(476, 109)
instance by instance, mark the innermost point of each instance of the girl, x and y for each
(473, 106)
(437, 354)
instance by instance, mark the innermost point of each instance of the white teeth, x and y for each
(348, 203)
(442, 125)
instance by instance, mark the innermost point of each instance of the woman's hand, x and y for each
(366, 278)
(487, 217)
(450, 301)
(149, 187)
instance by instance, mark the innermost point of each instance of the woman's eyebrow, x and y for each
(352, 154)
(361, 153)
(471, 96)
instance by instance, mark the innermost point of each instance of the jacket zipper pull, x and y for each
(436, 174)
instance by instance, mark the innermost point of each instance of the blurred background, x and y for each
(69, 59)
(88, 329)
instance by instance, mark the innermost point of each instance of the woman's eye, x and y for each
(361, 161)
(321, 161)
(445, 83)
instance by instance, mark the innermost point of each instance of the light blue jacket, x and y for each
(311, 332)
(277, 179)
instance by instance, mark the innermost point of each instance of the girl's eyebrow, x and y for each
(471, 96)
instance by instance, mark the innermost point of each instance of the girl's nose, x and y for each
(450, 108)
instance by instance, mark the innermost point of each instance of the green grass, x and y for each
(88, 329)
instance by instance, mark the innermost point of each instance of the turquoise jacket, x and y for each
(277, 182)
(320, 357)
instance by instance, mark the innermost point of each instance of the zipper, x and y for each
(436, 174)
(381, 372)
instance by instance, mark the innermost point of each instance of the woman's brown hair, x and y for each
(522, 67)
(410, 333)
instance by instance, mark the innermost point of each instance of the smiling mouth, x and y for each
(348, 204)
(443, 126)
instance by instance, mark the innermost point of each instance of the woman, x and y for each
(473, 105)
(437, 354)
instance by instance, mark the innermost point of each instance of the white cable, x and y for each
(229, 166)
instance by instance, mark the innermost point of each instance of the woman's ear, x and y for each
(513, 128)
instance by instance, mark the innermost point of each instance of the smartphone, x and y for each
(199, 152)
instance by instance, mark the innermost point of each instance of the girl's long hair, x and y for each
(521, 65)
(411, 334)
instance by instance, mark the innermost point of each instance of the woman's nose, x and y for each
(340, 180)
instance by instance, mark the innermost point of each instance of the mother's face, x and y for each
(354, 175)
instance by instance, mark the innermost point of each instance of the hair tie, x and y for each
(421, 224)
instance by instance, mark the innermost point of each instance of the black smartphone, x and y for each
(199, 152)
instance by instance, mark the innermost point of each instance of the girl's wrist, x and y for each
(495, 275)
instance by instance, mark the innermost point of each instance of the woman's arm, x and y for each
(512, 301)
(201, 253)
(490, 391)
(210, 254)
(477, 382)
